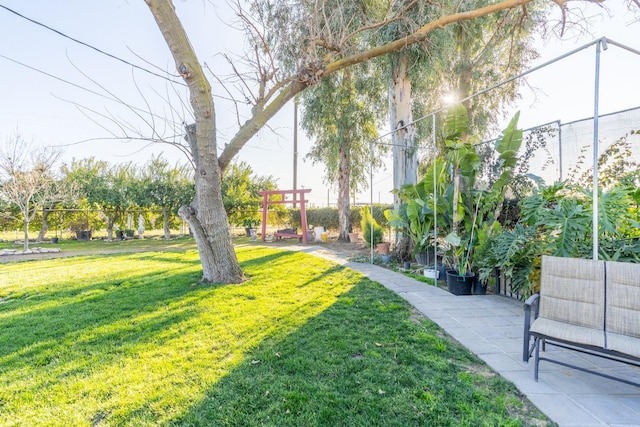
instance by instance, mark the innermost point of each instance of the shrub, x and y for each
(371, 230)
(328, 217)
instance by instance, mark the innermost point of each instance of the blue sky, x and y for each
(55, 113)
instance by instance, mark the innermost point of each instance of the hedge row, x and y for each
(328, 217)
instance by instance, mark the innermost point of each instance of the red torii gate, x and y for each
(303, 210)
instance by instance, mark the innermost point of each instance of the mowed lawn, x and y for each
(134, 340)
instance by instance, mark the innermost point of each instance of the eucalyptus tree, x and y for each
(165, 186)
(319, 41)
(463, 59)
(405, 66)
(27, 179)
(342, 113)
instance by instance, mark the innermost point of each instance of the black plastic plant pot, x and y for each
(479, 288)
(460, 285)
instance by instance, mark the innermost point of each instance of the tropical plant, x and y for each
(517, 253)
(558, 220)
(420, 208)
(477, 210)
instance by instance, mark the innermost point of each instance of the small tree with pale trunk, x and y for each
(27, 179)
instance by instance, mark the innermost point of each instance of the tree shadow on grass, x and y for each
(47, 323)
(88, 337)
(43, 301)
(364, 361)
(85, 338)
(274, 351)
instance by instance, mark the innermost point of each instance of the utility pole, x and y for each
(295, 148)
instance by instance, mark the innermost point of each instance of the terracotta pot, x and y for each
(383, 248)
(353, 237)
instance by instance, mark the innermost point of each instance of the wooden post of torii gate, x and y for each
(303, 209)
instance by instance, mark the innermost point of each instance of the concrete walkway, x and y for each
(491, 327)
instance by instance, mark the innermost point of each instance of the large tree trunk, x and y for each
(344, 183)
(45, 226)
(206, 216)
(405, 156)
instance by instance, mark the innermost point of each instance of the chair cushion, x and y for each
(623, 344)
(566, 332)
(572, 291)
(623, 299)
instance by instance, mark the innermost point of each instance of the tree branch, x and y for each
(314, 72)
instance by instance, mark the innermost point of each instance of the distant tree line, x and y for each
(90, 194)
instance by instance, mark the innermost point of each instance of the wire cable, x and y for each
(53, 76)
(90, 46)
(37, 70)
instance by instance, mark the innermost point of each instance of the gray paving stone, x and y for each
(565, 411)
(616, 412)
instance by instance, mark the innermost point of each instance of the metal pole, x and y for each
(602, 43)
(560, 150)
(435, 199)
(371, 196)
(295, 149)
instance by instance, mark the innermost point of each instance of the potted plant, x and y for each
(474, 213)
(516, 253)
(383, 248)
(461, 279)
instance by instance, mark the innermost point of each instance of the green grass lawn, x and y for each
(132, 339)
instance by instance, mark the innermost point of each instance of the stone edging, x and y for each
(29, 251)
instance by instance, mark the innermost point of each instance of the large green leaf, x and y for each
(570, 223)
(470, 163)
(456, 122)
(453, 239)
(397, 219)
(511, 138)
(613, 209)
